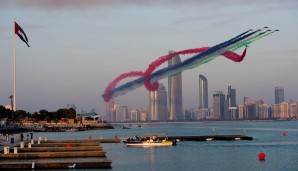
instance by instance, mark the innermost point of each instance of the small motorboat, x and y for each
(126, 127)
(152, 142)
(148, 143)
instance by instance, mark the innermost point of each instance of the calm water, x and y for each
(281, 151)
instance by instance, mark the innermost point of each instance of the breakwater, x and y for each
(211, 137)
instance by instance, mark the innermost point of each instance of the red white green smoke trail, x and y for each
(204, 55)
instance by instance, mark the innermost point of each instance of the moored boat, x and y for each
(126, 127)
(148, 143)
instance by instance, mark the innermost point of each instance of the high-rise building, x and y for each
(158, 104)
(125, 116)
(279, 95)
(109, 109)
(260, 108)
(274, 111)
(246, 99)
(144, 114)
(233, 113)
(118, 113)
(220, 106)
(231, 96)
(232, 102)
(195, 113)
(250, 111)
(175, 91)
(135, 114)
(240, 109)
(284, 110)
(263, 111)
(293, 110)
(203, 92)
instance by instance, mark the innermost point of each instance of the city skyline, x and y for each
(222, 109)
(78, 47)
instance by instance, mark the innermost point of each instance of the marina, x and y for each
(200, 145)
(55, 154)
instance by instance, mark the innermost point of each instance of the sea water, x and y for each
(278, 140)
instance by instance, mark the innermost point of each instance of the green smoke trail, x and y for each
(238, 46)
(211, 58)
(255, 38)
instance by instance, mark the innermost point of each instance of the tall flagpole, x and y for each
(14, 71)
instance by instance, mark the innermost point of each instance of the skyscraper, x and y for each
(203, 92)
(158, 104)
(175, 91)
(246, 100)
(284, 110)
(109, 108)
(231, 96)
(279, 95)
(220, 106)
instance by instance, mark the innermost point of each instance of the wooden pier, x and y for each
(57, 154)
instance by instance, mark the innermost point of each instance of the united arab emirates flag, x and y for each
(20, 32)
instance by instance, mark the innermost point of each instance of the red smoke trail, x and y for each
(153, 87)
(113, 84)
(234, 56)
(161, 60)
(147, 74)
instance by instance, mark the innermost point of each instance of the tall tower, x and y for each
(203, 92)
(279, 95)
(158, 104)
(232, 96)
(175, 91)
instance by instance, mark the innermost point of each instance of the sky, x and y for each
(79, 46)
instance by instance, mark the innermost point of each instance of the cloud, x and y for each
(32, 26)
(68, 4)
(91, 4)
(220, 14)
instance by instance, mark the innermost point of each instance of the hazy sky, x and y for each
(79, 46)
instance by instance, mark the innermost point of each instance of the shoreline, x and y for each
(205, 121)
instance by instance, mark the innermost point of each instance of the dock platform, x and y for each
(57, 163)
(56, 154)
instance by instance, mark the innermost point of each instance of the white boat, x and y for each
(149, 143)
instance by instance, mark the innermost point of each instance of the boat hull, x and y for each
(149, 144)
